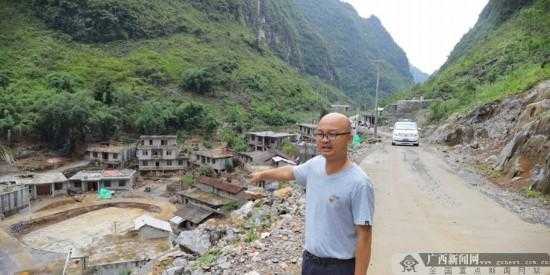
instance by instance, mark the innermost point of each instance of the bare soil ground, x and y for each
(425, 205)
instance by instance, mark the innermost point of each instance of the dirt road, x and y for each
(422, 205)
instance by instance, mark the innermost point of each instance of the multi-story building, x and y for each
(111, 154)
(307, 132)
(341, 108)
(160, 153)
(263, 141)
(218, 159)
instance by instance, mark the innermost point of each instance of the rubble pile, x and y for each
(262, 237)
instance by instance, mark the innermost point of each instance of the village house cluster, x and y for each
(116, 167)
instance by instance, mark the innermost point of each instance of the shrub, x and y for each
(153, 76)
(198, 80)
(4, 80)
(63, 82)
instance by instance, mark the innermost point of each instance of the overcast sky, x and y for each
(427, 30)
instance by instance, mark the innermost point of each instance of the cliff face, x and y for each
(282, 27)
(330, 40)
(355, 44)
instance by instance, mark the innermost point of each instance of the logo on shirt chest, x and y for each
(333, 199)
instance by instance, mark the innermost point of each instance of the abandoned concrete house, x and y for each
(278, 161)
(219, 159)
(111, 154)
(190, 215)
(151, 228)
(307, 132)
(263, 141)
(12, 198)
(340, 108)
(119, 180)
(255, 157)
(199, 197)
(160, 153)
(39, 184)
(221, 188)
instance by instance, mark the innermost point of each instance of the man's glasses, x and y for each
(329, 136)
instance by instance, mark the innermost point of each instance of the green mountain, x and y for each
(71, 71)
(354, 45)
(506, 52)
(418, 75)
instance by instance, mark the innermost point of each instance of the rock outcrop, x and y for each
(511, 136)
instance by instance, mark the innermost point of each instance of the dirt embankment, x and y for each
(25, 227)
(509, 139)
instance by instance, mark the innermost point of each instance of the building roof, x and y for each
(215, 153)
(152, 222)
(10, 188)
(194, 213)
(259, 157)
(270, 134)
(108, 148)
(221, 185)
(157, 136)
(205, 197)
(278, 159)
(34, 178)
(103, 174)
(339, 105)
(308, 125)
(176, 220)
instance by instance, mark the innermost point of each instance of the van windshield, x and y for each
(405, 126)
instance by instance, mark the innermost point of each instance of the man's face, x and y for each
(332, 140)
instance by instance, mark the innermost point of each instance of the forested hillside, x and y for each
(72, 71)
(506, 52)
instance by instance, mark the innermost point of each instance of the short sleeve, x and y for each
(301, 171)
(362, 203)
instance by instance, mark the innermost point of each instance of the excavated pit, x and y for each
(25, 227)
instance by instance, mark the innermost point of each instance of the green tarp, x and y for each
(357, 140)
(105, 194)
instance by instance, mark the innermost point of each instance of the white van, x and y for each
(405, 133)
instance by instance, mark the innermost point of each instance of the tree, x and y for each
(4, 80)
(198, 80)
(62, 82)
(63, 120)
(103, 90)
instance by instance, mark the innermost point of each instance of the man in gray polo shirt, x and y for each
(339, 202)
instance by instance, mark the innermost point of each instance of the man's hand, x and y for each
(276, 174)
(363, 249)
(256, 177)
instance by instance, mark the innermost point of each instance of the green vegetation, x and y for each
(207, 259)
(506, 52)
(353, 44)
(529, 192)
(234, 205)
(165, 66)
(251, 235)
(290, 149)
(187, 180)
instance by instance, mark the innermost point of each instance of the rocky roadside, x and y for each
(262, 237)
(503, 149)
(265, 236)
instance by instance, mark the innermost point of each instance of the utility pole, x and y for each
(376, 100)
